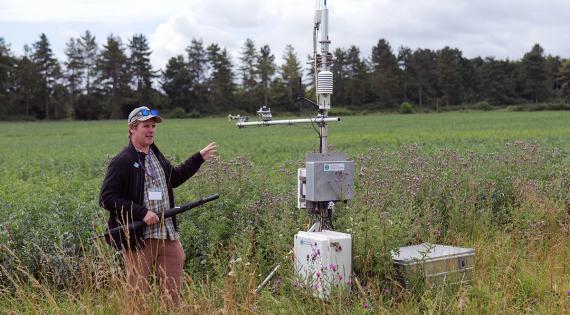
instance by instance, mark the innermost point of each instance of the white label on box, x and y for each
(334, 167)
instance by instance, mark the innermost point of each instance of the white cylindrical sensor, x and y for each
(325, 27)
(318, 16)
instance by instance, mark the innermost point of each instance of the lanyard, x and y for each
(147, 170)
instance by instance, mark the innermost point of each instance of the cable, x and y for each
(311, 119)
(316, 130)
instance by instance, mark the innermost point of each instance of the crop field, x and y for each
(494, 181)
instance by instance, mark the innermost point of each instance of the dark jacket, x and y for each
(122, 192)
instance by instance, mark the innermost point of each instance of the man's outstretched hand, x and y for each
(209, 151)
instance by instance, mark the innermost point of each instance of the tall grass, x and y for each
(508, 203)
(508, 206)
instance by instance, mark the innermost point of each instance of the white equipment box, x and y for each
(323, 260)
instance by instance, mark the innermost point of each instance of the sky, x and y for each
(487, 28)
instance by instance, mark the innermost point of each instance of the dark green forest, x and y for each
(102, 80)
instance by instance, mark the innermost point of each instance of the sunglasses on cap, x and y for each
(145, 112)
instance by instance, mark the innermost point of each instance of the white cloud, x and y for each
(229, 25)
(173, 36)
(109, 11)
(501, 28)
(237, 14)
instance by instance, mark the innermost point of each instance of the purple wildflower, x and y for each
(333, 267)
(318, 274)
(366, 305)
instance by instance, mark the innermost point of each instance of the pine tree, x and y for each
(423, 75)
(248, 69)
(48, 68)
(7, 68)
(311, 90)
(339, 74)
(290, 74)
(197, 68)
(90, 52)
(404, 60)
(28, 83)
(564, 79)
(495, 84)
(553, 64)
(59, 100)
(114, 75)
(535, 83)
(449, 78)
(384, 74)
(141, 69)
(266, 69)
(470, 69)
(177, 83)
(356, 75)
(74, 69)
(249, 75)
(221, 83)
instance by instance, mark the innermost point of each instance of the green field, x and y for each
(495, 181)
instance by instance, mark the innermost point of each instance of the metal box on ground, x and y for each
(323, 260)
(434, 265)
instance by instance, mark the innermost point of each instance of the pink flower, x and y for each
(366, 305)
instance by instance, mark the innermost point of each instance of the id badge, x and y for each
(155, 195)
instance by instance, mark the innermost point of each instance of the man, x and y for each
(138, 187)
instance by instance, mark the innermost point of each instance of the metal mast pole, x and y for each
(323, 75)
(325, 98)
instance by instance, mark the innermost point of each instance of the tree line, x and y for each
(106, 81)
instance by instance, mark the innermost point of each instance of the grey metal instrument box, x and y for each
(330, 177)
(434, 265)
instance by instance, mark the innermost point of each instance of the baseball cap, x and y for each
(143, 113)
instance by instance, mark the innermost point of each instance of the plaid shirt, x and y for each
(155, 180)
